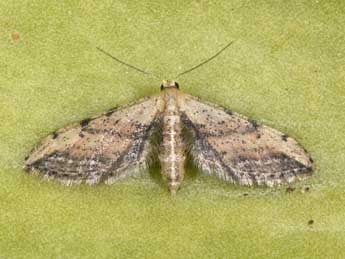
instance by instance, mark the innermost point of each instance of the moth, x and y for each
(119, 143)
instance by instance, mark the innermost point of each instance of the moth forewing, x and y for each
(238, 149)
(104, 148)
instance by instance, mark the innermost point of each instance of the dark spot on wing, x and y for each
(254, 123)
(305, 150)
(113, 109)
(110, 111)
(285, 137)
(311, 222)
(242, 158)
(85, 122)
(228, 111)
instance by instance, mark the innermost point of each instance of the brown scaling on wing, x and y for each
(239, 150)
(103, 148)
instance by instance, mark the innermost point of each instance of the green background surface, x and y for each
(285, 69)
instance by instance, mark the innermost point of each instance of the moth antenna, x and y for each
(126, 64)
(206, 61)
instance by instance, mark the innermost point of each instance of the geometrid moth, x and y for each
(221, 142)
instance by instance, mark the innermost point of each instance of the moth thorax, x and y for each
(169, 84)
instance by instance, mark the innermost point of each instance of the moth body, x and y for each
(172, 149)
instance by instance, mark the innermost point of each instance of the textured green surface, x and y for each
(286, 69)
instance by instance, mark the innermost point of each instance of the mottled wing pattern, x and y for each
(103, 148)
(239, 150)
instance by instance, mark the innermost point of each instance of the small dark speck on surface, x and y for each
(305, 189)
(311, 222)
(15, 35)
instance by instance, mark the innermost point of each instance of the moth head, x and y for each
(169, 84)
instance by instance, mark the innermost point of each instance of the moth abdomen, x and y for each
(172, 148)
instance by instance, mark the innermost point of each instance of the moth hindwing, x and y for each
(117, 144)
